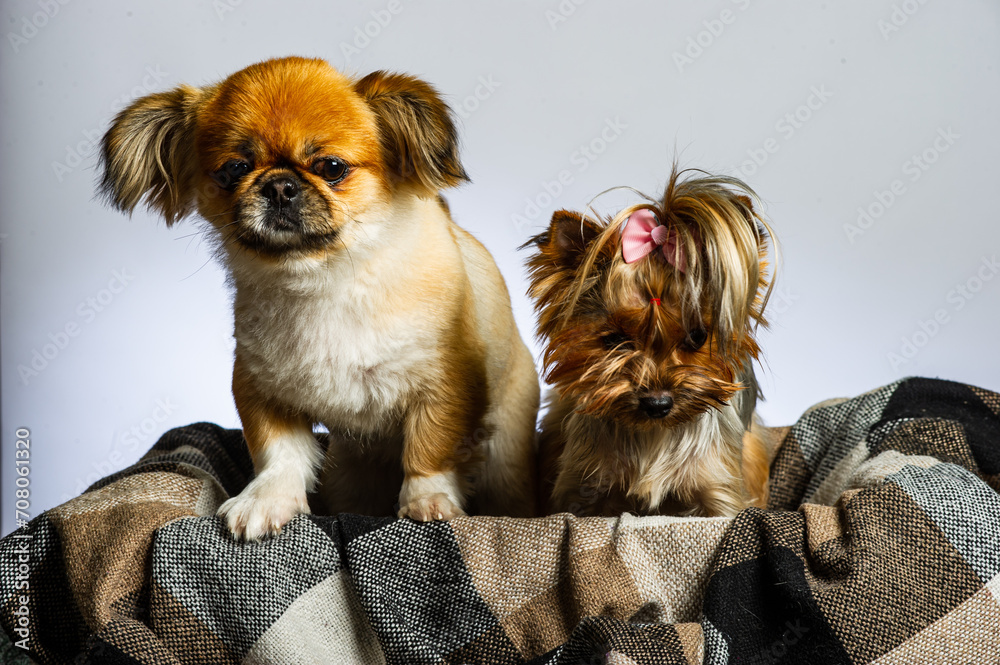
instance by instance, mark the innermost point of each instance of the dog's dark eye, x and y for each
(230, 173)
(614, 340)
(695, 339)
(330, 169)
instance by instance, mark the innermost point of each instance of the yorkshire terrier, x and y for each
(359, 303)
(648, 321)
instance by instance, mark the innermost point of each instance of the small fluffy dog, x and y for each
(359, 303)
(648, 322)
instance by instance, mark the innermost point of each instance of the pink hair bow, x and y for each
(643, 233)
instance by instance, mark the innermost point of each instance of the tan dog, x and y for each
(359, 303)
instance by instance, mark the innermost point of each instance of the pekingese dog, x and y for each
(359, 304)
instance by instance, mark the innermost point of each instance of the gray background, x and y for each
(533, 82)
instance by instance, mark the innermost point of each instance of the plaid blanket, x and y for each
(881, 544)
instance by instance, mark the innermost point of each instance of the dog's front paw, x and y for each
(430, 507)
(429, 498)
(260, 511)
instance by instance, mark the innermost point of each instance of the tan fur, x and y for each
(358, 304)
(263, 419)
(620, 334)
(756, 465)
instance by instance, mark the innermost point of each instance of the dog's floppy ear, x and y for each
(148, 154)
(419, 140)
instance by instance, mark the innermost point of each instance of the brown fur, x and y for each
(147, 156)
(608, 345)
(418, 139)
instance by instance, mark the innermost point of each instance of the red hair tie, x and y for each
(656, 300)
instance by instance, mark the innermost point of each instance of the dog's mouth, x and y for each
(278, 233)
(282, 242)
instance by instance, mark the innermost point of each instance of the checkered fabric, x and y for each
(881, 545)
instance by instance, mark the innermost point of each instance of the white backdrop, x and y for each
(868, 128)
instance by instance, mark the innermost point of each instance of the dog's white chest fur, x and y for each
(330, 352)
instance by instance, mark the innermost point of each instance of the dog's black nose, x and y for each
(656, 406)
(281, 191)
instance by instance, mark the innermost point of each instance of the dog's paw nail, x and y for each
(430, 508)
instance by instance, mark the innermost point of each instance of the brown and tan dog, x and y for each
(648, 321)
(359, 303)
